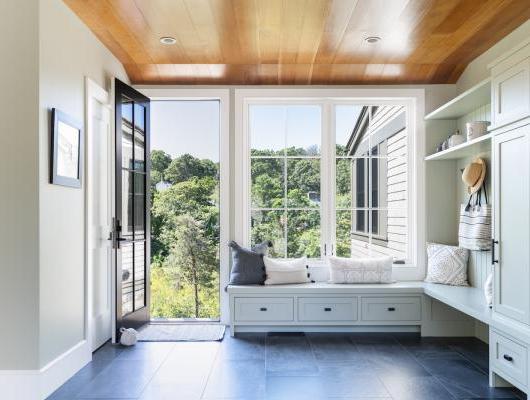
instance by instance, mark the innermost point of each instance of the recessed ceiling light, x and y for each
(372, 39)
(168, 40)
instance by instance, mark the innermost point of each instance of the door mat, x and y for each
(168, 332)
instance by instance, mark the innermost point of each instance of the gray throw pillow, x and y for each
(247, 265)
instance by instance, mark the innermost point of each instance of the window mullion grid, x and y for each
(285, 214)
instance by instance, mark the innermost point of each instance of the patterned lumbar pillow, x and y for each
(286, 271)
(247, 265)
(447, 264)
(360, 270)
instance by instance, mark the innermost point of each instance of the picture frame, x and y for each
(66, 150)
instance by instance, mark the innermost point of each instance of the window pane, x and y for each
(127, 205)
(303, 130)
(127, 278)
(127, 134)
(360, 237)
(360, 182)
(343, 233)
(303, 183)
(267, 129)
(269, 225)
(396, 183)
(303, 234)
(139, 275)
(353, 131)
(346, 117)
(139, 137)
(268, 190)
(343, 185)
(139, 206)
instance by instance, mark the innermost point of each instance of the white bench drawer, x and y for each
(509, 357)
(391, 309)
(327, 309)
(263, 309)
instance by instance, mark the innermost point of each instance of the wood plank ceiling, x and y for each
(299, 41)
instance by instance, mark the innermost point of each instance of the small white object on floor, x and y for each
(129, 337)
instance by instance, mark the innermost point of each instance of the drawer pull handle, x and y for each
(327, 308)
(263, 309)
(508, 358)
(391, 308)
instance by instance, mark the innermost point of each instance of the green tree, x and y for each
(186, 167)
(160, 160)
(192, 258)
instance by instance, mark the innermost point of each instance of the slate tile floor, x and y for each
(291, 367)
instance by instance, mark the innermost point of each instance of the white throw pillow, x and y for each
(285, 271)
(447, 264)
(360, 270)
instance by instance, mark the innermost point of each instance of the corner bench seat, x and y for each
(327, 304)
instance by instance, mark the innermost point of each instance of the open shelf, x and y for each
(478, 145)
(463, 104)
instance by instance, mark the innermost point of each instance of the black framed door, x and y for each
(131, 238)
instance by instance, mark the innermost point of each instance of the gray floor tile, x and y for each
(290, 356)
(243, 347)
(419, 388)
(334, 349)
(236, 379)
(122, 378)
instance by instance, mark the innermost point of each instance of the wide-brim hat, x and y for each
(474, 174)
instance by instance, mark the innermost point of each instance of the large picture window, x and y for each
(328, 178)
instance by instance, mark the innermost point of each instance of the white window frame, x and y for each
(411, 99)
(223, 96)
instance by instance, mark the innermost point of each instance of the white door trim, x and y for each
(93, 92)
(223, 95)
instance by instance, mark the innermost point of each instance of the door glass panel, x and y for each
(139, 137)
(139, 275)
(343, 185)
(127, 134)
(127, 278)
(127, 205)
(139, 206)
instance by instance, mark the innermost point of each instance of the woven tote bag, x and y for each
(474, 230)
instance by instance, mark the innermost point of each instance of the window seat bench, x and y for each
(321, 306)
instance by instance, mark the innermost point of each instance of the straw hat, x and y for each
(474, 174)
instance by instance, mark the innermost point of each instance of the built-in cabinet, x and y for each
(511, 166)
(510, 111)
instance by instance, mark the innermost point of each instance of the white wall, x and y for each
(19, 242)
(68, 53)
(477, 70)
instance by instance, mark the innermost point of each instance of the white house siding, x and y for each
(396, 186)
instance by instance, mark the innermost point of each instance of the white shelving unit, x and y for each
(463, 104)
(466, 149)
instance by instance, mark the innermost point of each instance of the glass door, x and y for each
(131, 240)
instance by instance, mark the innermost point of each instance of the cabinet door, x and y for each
(511, 163)
(511, 94)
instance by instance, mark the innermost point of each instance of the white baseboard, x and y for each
(39, 384)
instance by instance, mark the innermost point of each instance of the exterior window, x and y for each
(316, 192)
(285, 178)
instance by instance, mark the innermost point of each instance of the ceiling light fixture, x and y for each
(372, 39)
(168, 40)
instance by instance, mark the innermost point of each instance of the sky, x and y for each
(179, 127)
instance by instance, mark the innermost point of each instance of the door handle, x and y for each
(507, 357)
(493, 260)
